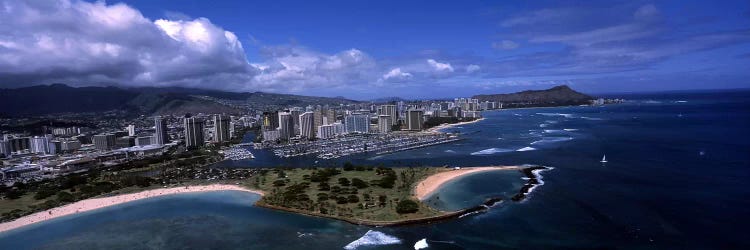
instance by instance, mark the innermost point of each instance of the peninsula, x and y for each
(355, 194)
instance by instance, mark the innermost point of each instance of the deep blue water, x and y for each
(677, 178)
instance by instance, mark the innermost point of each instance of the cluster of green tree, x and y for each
(388, 180)
(435, 121)
(407, 206)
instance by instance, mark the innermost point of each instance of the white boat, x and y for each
(604, 159)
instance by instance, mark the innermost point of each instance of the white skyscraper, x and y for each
(221, 128)
(160, 136)
(384, 124)
(193, 132)
(357, 123)
(307, 129)
(131, 130)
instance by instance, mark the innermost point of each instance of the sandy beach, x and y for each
(433, 182)
(96, 203)
(449, 125)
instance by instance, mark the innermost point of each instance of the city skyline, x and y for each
(369, 50)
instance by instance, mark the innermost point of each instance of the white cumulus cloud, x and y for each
(440, 67)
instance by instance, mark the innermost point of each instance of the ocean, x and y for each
(676, 178)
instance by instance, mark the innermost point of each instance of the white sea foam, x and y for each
(543, 125)
(550, 131)
(526, 149)
(372, 238)
(591, 118)
(570, 129)
(537, 174)
(450, 151)
(556, 114)
(548, 140)
(490, 151)
(422, 244)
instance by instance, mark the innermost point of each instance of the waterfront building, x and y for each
(414, 120)
(70, 146)
(160, 136)
(357, 123)
(339, 128)
(270, 121)
(55, 147)
(144, 140)
(194, 134)
(307, 130)
(317, 118)
(39, 145)
(389, 110)
(131, 130)
(385, 123)
(125, 142)
(104, 142)
(221, 128)
(286, 126)
(271, 135)
(5, 149)
(326, 131)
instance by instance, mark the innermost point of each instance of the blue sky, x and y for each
(367, 49)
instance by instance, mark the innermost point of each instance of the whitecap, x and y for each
(490, 151)
(547, 140)
(372, 238)
(570, 129)
(526, 149)
(450, 151)
(550, 131)
(422, 244)
(556, 114)
(543, 125)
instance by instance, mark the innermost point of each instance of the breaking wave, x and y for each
(547, 140)
(490, 151)
(372, 238)
(556, 114)
(422, 244)
(526, 149)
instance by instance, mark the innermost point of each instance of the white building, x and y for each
(271, 135)
(307, 129)
(39, 145)
(357, 123)
(131, 130)
(326, 131)
(385, 123)
(414, 120)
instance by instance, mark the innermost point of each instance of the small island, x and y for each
(364, 195)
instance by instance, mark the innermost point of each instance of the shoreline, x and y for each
(103, 202)
(432, 183)
(437, 128)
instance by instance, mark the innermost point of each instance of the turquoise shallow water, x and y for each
(676, 179)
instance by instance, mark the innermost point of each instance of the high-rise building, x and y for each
(55, 147)
(144, 140)
(307, 130)
(384, 124)
(5, 148)
(39, 145)
(221, 128)
(160, 136)
(270, 121)
(271, 135)
(357, 123)
(414, 119)
(104, 142)
(329, 115)
(296, 112)
(326, 131)
(193, 132)
(70, 146)
(286, 126)
(317, 118)
(338, 128)
(131, 130)
(389, 110)
(125, 142)
(19, 144)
